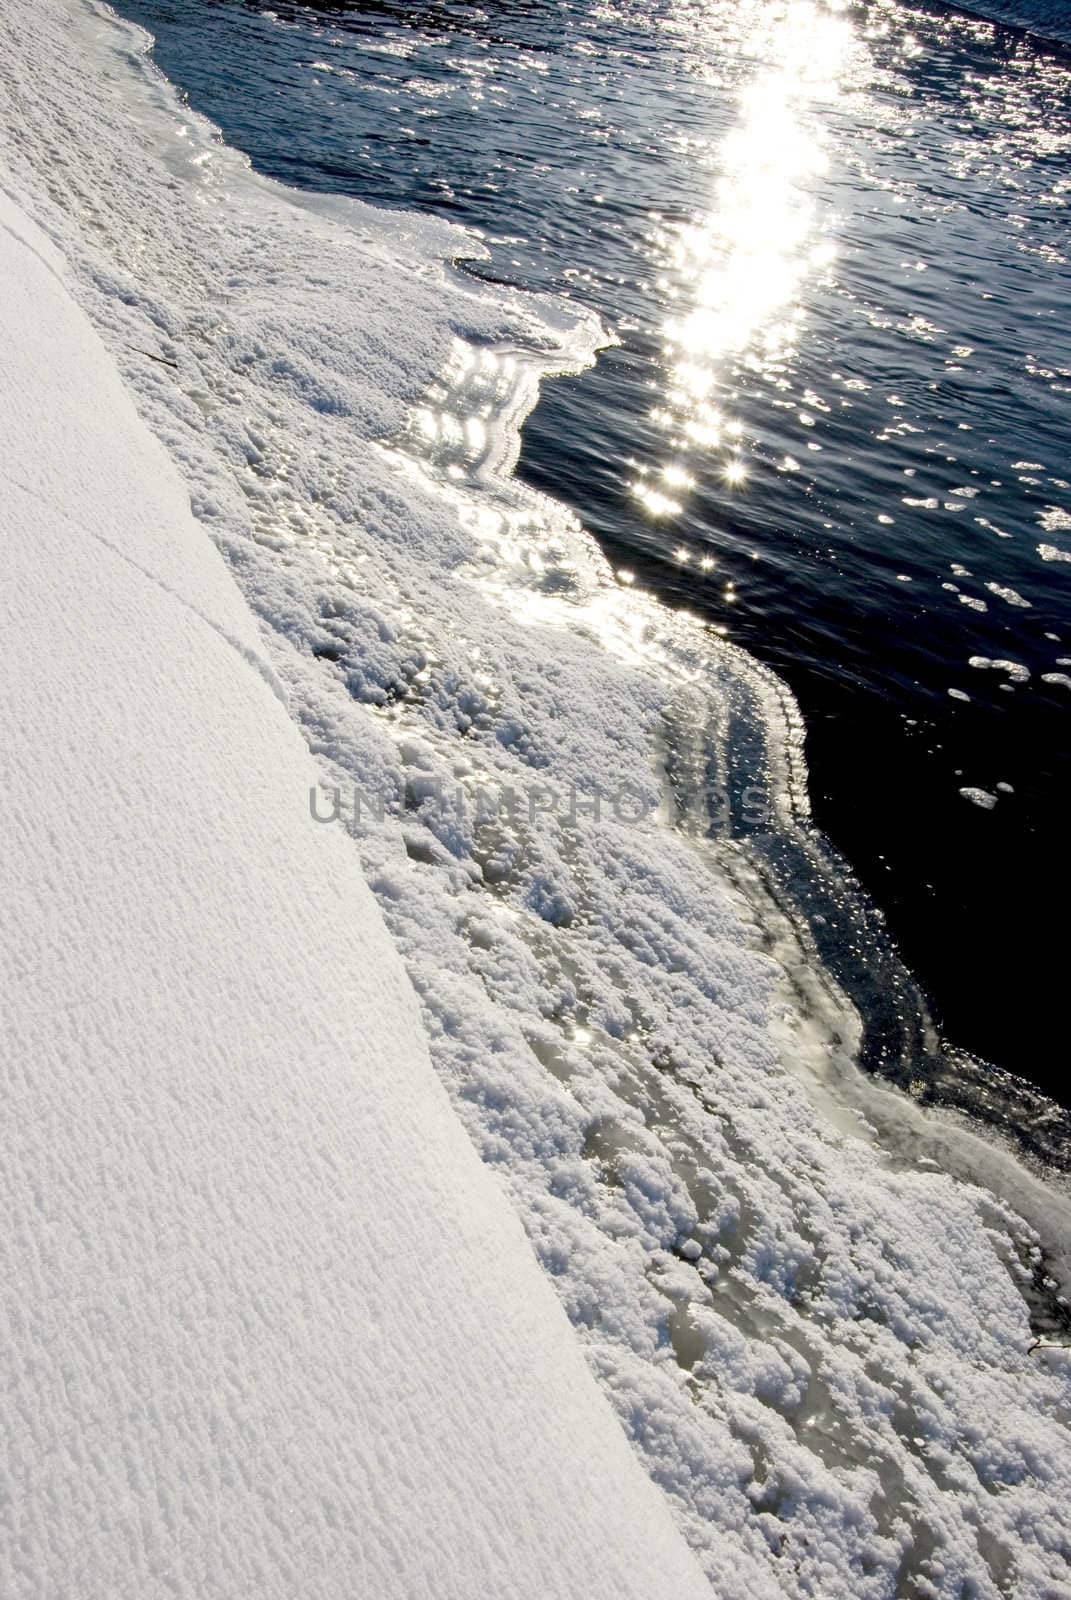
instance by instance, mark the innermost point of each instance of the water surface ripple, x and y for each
(830, 243)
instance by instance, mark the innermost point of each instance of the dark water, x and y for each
(837, 423)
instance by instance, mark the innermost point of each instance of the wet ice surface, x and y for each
(815, 1332)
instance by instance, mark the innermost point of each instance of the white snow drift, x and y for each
(269, 1327)
(271, 1331)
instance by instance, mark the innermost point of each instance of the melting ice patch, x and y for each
(813, 1321)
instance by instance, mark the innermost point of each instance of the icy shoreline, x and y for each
(815, 1337)
(270, 1326)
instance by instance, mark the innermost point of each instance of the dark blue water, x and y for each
(832, 248)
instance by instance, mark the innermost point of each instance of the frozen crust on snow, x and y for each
(270, 1327)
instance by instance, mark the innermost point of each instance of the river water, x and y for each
(833, 417)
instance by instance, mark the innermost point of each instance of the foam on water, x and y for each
(646, 981)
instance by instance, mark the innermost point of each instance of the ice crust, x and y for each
(814, 1329)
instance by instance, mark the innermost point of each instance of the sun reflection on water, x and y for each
(732, 278)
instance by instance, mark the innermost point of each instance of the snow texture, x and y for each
(271, 1329)
(810, 1303)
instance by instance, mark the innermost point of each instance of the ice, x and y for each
(638, 1042)
(1017, 671)
(979, 797)
(1011, 596)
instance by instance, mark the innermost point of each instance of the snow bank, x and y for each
(810, 1303)
(270, 1328)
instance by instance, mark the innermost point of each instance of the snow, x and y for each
(310, 1349)
(271, 1328)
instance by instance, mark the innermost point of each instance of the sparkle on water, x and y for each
(828, 242)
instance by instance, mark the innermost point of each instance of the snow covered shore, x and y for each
(269, 1326)
(262, 1300)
